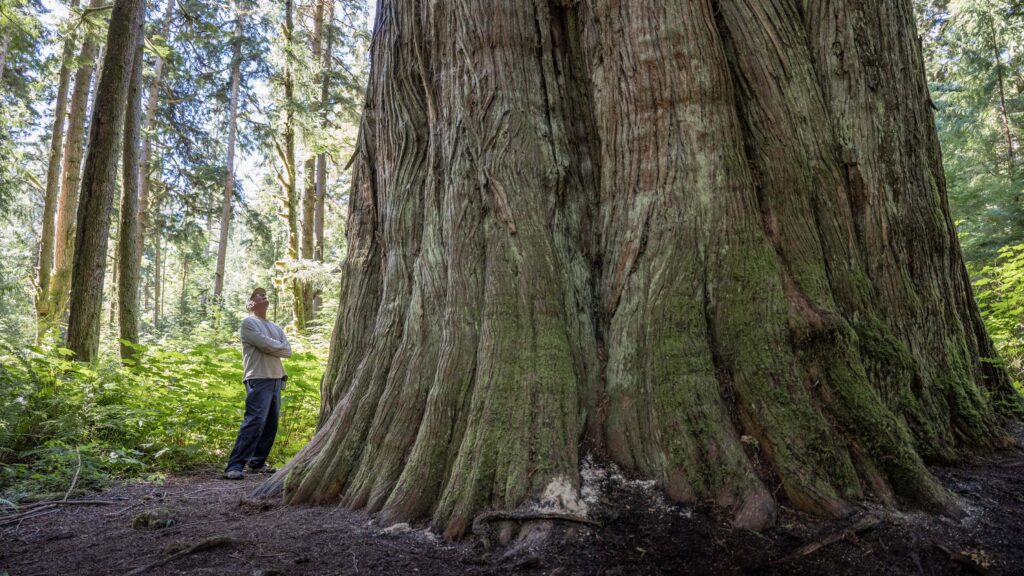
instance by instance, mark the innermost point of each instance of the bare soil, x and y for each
(202, 524)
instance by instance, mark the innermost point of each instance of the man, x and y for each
(263, 345)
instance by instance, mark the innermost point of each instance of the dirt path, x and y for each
(201, 524)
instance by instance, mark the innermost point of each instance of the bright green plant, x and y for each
(178, 407)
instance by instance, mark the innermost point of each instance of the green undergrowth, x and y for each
(999, 290)
(63, 423)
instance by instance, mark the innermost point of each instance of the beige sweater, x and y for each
(263, 345)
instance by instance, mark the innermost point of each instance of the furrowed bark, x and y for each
(707, 239)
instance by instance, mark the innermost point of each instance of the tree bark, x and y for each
(50, 197)
(708, 239)
(129, 260)
(71, 176)
(229, 183)
(152, 101)
(98, 179)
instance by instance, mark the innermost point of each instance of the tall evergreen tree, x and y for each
(98, 179)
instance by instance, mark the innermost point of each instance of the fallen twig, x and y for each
(864, 524)
(27, 515)
(78, 471)
(51, 503)
(123, 510)
(212, 542)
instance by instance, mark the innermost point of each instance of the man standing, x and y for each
(263, 345)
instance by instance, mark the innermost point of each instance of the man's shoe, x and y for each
(265, 469)
(234, 475)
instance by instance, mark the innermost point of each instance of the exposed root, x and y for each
(212, 542)
(863, 525)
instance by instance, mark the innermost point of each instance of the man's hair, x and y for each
(251, 302)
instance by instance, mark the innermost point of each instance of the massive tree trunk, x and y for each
(707, 239)
(50, 197)
(98, 180)
(229, 182)
(128, 261)
(71, 176)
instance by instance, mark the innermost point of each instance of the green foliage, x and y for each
(999, 290)
(179, 407)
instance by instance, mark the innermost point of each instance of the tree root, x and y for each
(502, 515)
(212, 542)
(863, 525)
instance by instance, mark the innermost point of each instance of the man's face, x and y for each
(260, 303)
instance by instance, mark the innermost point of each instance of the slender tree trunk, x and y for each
(157, 276)
(129, 260)
(4, 43)
(309, 197)
(152, 102)
(229, 183)
(326, 66)
(290, 175)
(183, 299)
(111, 299)
(98, 179)
(1004, 116)
(71, 176)
(50, 197)
(709, 239)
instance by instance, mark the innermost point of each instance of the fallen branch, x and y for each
(34, 513)
(863, 525)
(51, 503)
(74, 480)
(212, 542)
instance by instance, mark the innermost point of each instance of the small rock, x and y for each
(153, 519)
(267, 572)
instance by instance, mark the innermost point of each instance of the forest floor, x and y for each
(201, 524)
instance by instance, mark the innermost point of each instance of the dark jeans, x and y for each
(259, 426)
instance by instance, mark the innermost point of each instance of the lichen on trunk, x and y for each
(690, 236)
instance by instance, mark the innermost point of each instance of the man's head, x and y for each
(258, 302)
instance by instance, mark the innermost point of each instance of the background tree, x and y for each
(71, 171)
(660, 257)
(93, 221)
(229, 180)
(128, 246)
(50, 196)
